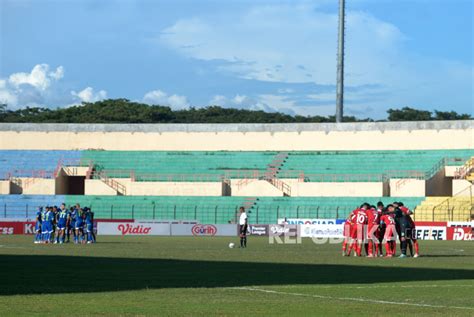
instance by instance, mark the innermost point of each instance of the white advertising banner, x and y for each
(165, 229)
(166, 221)
(321, 231)
(132, 229)
(202, 230)
(306, 221)
(430, 233)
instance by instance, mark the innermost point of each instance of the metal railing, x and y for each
(238, 173)
(228, 213)
(117, 186)
(464, 171)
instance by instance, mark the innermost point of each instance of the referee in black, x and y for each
(404, 230)
(243, 227)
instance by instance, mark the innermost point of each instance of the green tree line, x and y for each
(125, 111)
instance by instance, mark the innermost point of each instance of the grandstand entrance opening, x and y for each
(75, 185)
(70, 184)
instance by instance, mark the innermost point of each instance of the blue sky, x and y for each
(270, 55)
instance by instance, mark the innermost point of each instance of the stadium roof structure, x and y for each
(239, 127)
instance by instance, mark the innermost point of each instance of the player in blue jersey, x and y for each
(89, 219)
(44, 225)
(61, 224)
(54, 223)
(79, 238)
(71, 224)
(47, 225)
(39, 217)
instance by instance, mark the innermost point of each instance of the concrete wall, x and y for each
(407, 187)
(349, 189)
(38, 186)
(310, 136)
(450, 171)
(5, 187)
(62, 183)
(76, 170)
(439, 185)
(460, 187)
(97, 187)
(254, 188)
(263, 188)
(173, 188)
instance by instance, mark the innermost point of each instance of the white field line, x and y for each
(354, 299)
(388, 286)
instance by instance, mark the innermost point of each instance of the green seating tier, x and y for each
(178, 166)
(205, 209)
(315, 166)
(369, 165)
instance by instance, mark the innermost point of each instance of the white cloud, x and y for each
(40, 88)
(6, 96)
(287, 43)
(218, 100)
(89, 95)
(58, 73)
(265, 102)
(159, 97)
(239, 99)
(40, 77)
(297, 44)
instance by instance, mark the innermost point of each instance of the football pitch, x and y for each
(173, 276)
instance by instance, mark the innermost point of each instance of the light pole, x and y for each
(340, 64)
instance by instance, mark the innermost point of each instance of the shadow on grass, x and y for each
(447, 255)
(38, 274)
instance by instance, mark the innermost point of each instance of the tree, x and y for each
(450, 115)
(126, 111)
(408, 114)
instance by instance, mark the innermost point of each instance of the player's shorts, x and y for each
(38, 226)
(46, 227)
(353, 232)
(389, 232)
(79, 226)
(243, 230)
(373, 232)
(89, 227)
(407, 233)
(361, 232)
(347, 230)
(61, 226)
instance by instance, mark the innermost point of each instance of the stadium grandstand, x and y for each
(206, 172)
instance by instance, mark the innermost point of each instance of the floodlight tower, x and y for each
(340, 64)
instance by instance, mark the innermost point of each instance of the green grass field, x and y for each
(163, 276)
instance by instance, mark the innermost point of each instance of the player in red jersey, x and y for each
(381, 230)
(361, 225)
(352, 231)
(390, 230)
(373, 222)
(347, 233)
(412, 238)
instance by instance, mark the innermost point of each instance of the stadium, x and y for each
(250, 197)
(183, 185)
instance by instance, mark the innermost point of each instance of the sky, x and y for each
(261, 55)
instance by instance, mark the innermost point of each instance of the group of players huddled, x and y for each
(56, 224)
(371, 227)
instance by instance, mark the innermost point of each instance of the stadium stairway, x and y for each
(466, 171)
(216, 165)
